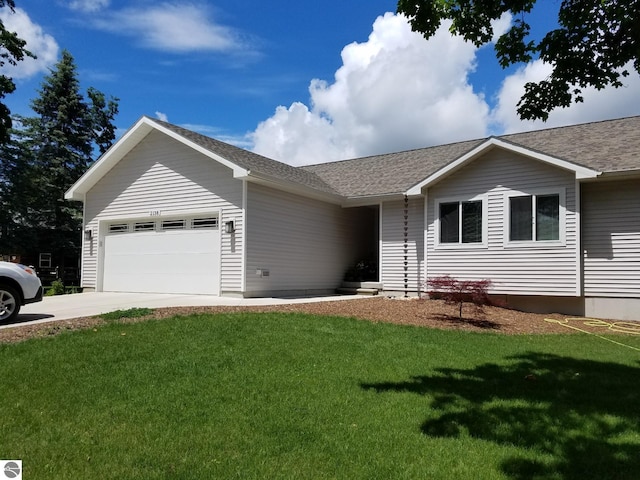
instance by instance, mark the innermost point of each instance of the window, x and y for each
(460, 222)
(209, 222)
(534, 218)
(173, 224)
(144, 226)
(45, 260)
(118, 227)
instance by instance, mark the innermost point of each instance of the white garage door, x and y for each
(163, 256)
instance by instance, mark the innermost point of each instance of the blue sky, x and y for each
(301, 82)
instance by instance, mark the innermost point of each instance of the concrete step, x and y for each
(376, 285)
(356, 291)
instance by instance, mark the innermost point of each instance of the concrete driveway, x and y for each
(77, 305)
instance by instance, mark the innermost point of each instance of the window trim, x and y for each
(45, 260)
(459, 245)
(562, 214)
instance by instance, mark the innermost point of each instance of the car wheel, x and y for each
(9, 303)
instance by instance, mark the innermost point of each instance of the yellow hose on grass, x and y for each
(629, 328)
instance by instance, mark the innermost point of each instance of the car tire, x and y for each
(9, 304)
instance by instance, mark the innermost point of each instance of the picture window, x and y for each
(461, 222)
(534, 218)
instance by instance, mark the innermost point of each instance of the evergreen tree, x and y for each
(12, 51)
(46, 155)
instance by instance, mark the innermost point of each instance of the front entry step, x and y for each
(357, 291)
(359, 288)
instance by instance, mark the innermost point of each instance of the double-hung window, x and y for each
(535, 218)
(460, 222)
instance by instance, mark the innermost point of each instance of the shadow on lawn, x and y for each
(475, 322)
(576, 419)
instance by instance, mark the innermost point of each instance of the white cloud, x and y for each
(598, 104)
(162, 116)
(398, 91)
(241, 141)
(395, 91)
(174, 27)
(88, 5)
(41, 44)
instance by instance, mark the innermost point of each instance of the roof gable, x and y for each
(490, 144)
(244, 164)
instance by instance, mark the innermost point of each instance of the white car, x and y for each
(19, 285)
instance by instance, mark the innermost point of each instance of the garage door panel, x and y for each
(185, 261)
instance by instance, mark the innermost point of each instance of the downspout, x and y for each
(579, 245)
(406, 246)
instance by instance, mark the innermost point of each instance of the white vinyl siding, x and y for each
(162, 177)
(393, 245)
(297, 244)
(533, 269)
(611, 239)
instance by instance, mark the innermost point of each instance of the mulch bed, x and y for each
(416, 312)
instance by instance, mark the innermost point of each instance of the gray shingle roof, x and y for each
(388, 174)
(607, 146)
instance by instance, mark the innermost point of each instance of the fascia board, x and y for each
(620, 175)
(580, 172)
(363, 201)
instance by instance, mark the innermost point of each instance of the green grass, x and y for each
(129, 313)
(279, 396)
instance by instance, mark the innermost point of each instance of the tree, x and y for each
(46, 155)
(12, 51)
(457, 292)
(592, 46)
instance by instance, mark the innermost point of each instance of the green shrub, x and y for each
(57, 288)
(362, 271)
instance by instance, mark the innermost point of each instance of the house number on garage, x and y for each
(154, 213)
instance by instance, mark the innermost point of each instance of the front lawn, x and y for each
(255, 396)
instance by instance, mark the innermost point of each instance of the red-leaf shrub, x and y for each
(457, 292)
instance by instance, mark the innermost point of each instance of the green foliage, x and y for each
(592, 46)
(363, 271)
(46, 155)
(12, 51)
(295, 396)
(129, 313)
(57, 288)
